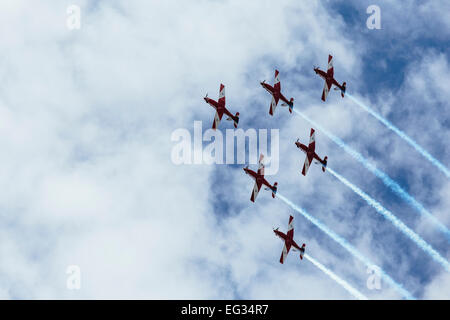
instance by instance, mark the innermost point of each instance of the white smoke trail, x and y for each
(402, 135)
(355, 293)
(391, 184)
(346, 245)
(397, 222)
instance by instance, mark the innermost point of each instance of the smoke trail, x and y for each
(344, 243)
(332, 275)
(397, 222)
(391, 184)
(402, 135)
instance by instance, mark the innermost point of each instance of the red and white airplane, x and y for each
(289, 241)
(275, 91)
(260, 180)
(311, 153)
(329, 79)
(219, 105)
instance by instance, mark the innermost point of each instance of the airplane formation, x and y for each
(309, 150)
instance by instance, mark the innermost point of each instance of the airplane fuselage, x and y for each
(214, 104)
(287, 240)
(302, 147)
(323, 74)
(329, 78)
(220, 107)
(260, 180)
(306, 150)
(275, 93)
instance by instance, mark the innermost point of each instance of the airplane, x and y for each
(219, 105)
(275, 91)
(260, 180)
(289, 241)
(310, 153)
(329, 79)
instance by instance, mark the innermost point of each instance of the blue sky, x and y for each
(86, 118)
(380, 46)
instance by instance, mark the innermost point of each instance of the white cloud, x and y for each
(85, 123)
(438, 288)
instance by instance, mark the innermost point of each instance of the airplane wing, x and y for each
(222, 95)
(261, 165)
(326, 89)
(276, 83)
(330, 70)
(255, 191)
(290, 230)
(285, 252)
(308, 160)
(273, 105)
(217, 118)
(312, 141)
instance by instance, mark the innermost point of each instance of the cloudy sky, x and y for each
(87, 116)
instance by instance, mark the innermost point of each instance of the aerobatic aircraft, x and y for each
(220, 109)
(260, 180)
(329, 79)
(275, 91)
(311, 153)
(289, 242)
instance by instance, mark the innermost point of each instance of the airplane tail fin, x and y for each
(325, 161)
(302, 251)
(344, 85)
(236, 119)
(290, 104)
(274, 190)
